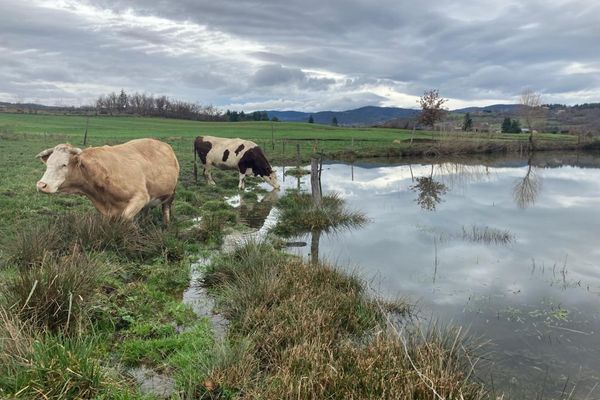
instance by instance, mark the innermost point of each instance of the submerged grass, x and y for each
(299, 215)
(487, 235)
(314, 332)
(297, 172)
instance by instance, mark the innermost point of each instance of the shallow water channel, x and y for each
(505, 246)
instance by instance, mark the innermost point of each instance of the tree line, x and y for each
(234, 116)
(155, 106)
(163, 106)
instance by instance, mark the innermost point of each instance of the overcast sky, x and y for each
(305, 55)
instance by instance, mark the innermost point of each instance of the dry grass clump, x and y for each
(315, 333)
(55, 295)
(36, 365)
(92, 232)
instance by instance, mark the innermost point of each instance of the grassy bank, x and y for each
(313, 332)
(280, 140)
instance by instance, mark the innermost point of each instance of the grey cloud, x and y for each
(277, 75)
(274, 74)
(471, 51)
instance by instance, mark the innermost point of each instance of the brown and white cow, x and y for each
(243, 155)
(120, 180)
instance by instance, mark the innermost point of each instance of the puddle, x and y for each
(201, 302)
(153, 383)
(230, 242)
(234, 201)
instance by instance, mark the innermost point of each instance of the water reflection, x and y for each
(526, 190)
(429, 192)
(315, 240)
(255, 213)
(536, 296)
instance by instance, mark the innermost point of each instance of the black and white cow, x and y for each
(243, 155)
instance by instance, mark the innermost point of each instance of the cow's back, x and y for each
(225, 152)
(137, 165)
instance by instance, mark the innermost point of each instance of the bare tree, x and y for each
(162, 106)
(531, 111)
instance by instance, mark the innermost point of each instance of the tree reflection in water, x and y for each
(429, 191)
(527, 189)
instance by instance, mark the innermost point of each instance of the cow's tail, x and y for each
(195, 164)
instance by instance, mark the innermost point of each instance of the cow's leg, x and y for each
(135, 205)
(242, 183)
(207, 174)
(166, 209)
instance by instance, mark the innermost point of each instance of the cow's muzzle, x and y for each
(42, 187)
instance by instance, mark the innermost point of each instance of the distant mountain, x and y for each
(33, 106)
(369, 115)
(494, 108)
(372, 115)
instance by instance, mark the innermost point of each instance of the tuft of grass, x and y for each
(16, 339)
(297, 172)
(41, 365)
(299, 215)
(221, 373)
(157, 351)
(314, 332)
(31, 244)
(92, 232)
(57, 294)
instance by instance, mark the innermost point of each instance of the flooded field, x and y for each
(507, 248)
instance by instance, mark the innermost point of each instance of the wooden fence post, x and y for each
(87, 121)
(315, 182)
(298, 155)
(272, 137)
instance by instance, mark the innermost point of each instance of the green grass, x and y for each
(339, 142)
(54, 367)
(91, 293)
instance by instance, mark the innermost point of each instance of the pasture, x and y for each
(280, 140)
(84, 299)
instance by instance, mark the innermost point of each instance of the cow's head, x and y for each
(271, 179)
(57, 160)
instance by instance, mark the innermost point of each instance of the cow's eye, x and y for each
(64, 165)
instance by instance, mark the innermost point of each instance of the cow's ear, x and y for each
(75, 150)
(43, 156)
(78, 162)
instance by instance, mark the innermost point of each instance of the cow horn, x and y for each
(45, 153)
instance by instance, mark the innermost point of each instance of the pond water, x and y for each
(508, 247)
